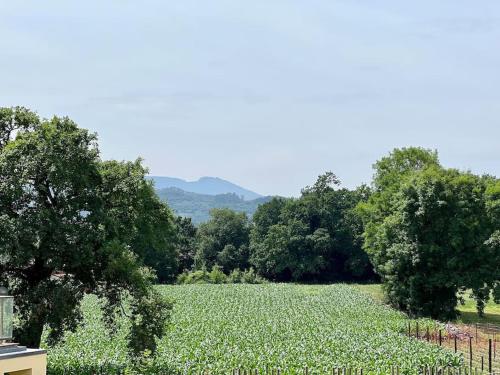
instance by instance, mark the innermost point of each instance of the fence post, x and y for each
(489, 356)
(494, 345)
(470, 351)
(455, 338)
(428, 334)
(417, 330)
(440, 338)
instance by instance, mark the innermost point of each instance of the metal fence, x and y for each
(476, 342)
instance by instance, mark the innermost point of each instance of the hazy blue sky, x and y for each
(267, 94)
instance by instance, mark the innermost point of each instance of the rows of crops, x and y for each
(221, 327)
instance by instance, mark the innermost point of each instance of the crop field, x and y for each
(222, 327)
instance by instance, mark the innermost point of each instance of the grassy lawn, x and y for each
(468, 313)
(222, 327)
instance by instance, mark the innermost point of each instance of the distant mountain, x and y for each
(197, 206)
(205, 185)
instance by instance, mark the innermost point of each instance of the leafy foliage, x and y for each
(185, 243)
(216, 276)
(315, 237)
(223, 240)
(151, 228)
(429, 234)
(72, 224)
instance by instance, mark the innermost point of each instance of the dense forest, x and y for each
(197, 206)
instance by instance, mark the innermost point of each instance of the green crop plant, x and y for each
(222, 327)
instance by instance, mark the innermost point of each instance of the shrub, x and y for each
(235, 276)
(182, 277)
(194, 277)
(216, 276)
(250, 277)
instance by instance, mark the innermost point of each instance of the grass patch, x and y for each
(468, 312)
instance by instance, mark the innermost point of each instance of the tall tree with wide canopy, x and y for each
(71, 224)
(429, 234)
(314, 238)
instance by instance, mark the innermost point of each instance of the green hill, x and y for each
(204, 185)
(197, 206)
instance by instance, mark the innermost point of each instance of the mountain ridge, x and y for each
(204, 185)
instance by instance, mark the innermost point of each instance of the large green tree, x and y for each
(429, 234)
(223, 240)
(72, 224)
(185, 243)
(316, 237)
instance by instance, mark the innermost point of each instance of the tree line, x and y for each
(430, 234)
(72, 223)
(314, 238)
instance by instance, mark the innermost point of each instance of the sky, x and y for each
(265, 93)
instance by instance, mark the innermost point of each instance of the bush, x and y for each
(250, 277)
(247, 277)
(182, 277)
(216, 276)
(235, 276)
(194, 277)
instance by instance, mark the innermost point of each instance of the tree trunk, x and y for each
(30, 334)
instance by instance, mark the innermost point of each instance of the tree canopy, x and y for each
(72, 224)
(314, 238)
(185, 243)
(223, 240)
(431, 233)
